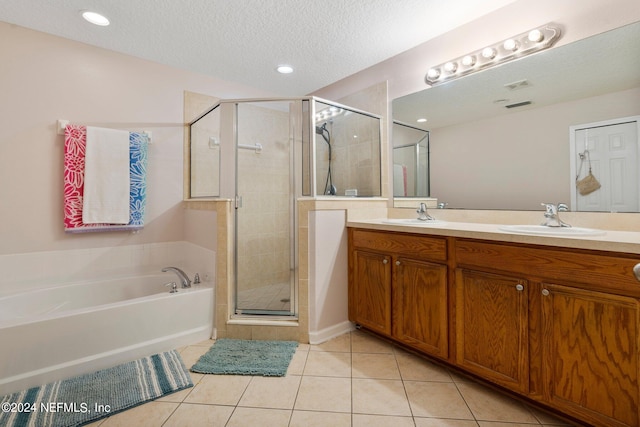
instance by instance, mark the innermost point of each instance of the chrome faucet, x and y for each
(552, 215)
(184, 279)
(423, 215)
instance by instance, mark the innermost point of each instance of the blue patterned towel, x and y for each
(138, 143)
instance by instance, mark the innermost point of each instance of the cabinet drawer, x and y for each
(423, 247)
(605, 271)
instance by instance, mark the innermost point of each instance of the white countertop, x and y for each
(615, 241)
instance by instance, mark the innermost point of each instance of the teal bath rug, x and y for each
(247, 357)
(90, 397)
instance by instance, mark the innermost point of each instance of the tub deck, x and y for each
(57, 333)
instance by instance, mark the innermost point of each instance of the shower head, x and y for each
(321, 129)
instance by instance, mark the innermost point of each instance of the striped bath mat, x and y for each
(247, 357)
(86, 398)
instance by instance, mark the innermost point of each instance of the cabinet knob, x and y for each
(397, 262)
(385, 261)
(636, 271)
(545, 292)
(519, 287)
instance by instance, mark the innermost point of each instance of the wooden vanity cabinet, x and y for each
(420, 314)
(583, 330)
(370, 294)
(398, 288)
(492, 321)
(590, 354)
(560, 326)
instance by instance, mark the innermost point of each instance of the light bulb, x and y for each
(468, 60)
(450, 67)
(489, 52)
(433, 73)
(510, 45)
(536, 36)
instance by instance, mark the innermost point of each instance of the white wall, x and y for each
(44, 78)
(328, 271)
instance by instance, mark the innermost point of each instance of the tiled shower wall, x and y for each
(38, 270)
(265, 217)
(355, 142)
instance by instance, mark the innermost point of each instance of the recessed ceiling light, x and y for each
(421, 120)
(285, 69)
(95, 18)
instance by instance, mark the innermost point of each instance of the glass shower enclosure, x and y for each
(410, 161)
(264, 155)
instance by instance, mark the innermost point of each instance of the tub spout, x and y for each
(184, 279)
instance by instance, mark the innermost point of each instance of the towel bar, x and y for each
(62, 124)
(214, 143)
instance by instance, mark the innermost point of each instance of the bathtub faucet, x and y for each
(184, 279)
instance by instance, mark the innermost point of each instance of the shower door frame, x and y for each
(294, 192)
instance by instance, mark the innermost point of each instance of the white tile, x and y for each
(324, 394)
(380, 397)
(271, 392)
(425, 397)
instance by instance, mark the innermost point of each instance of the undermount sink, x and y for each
(413, 221)
(543, 230)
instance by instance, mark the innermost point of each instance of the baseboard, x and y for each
(318, 337)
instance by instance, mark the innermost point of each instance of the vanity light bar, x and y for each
(512, 48)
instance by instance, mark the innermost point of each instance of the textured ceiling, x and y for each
(244, 40)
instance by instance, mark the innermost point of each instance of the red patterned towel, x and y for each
(75, 142)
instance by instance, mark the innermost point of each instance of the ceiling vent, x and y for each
(518, 104)
(520, 84)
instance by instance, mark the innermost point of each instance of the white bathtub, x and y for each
(55, 333)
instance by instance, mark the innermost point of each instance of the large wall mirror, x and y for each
(513, 136)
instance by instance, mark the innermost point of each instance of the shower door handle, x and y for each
(238, 202)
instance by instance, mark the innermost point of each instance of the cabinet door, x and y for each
(370, 300)
(590, 348)
(491, 327)
(420, 305)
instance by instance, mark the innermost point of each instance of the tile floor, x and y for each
(353, 380)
